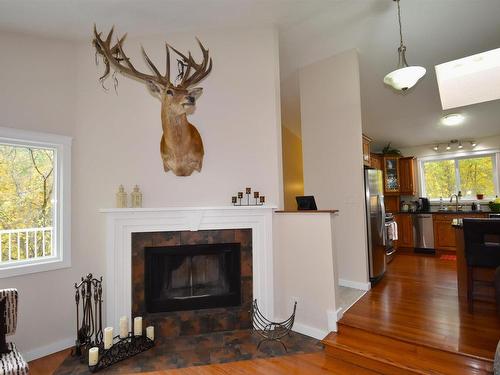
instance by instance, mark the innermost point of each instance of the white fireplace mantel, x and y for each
(122, 222)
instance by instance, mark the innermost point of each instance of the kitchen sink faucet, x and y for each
(457, 197)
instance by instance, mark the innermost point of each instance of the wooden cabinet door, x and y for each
(366, 150)
(405, 230)
(407, 176)
(376, 161)
(444, 233)
(391, 174)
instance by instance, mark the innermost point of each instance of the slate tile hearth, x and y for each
(197, 350)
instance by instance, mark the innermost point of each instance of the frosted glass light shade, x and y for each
(404, 78)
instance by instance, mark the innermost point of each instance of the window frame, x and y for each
(62, 197)
(456, 156)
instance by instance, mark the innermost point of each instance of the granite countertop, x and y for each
(468, 211)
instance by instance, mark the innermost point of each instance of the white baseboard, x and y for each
(317, 333)
(48, 349)
(333, 317)
(355, 284)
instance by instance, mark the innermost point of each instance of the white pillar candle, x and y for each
(108, 337)
(150, 332)
(123, 327)
(138, 326)
(93, 356)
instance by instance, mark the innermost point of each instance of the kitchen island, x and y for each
(483, 277)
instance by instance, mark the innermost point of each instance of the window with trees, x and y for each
(34, 202)
(470, 174)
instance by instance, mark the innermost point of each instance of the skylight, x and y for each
(469, 80)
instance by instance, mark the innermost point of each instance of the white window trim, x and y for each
(460, 155)
(62, 220)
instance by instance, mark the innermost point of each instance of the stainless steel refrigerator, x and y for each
(375, 223)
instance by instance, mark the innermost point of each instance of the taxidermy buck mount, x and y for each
(181, 146)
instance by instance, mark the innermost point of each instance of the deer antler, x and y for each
(115, 56)
(200, 70)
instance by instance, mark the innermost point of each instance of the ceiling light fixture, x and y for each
(436, 147)
(460, 145)
(405, 76)
(473, 144)
(448, 148)
(452, 119)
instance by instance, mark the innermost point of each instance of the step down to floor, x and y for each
(394, 357)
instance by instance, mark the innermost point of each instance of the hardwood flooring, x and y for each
(417, 301)
(410, 323)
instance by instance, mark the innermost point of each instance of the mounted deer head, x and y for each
(181, 146)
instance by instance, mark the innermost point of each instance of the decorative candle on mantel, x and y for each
(108, 337)
(150, 333)
(138, 326)
(262, 199)
(93, 356)
(240, 194)
(255, 194)
(234, 200)
(248, 190)
(123, 327)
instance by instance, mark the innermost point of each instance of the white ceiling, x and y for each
(435, 31)
(73, 19)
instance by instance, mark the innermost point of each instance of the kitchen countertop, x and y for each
(445, 212)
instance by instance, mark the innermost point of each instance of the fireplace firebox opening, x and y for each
(192, 277)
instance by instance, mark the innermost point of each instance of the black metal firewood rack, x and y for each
(271, 331)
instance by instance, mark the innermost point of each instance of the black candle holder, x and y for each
(122, 349)
(237, 200)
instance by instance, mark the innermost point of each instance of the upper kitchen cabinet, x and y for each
(391, 174)
(376, 161)
(366, 150)
(399, 175)
(407, 176)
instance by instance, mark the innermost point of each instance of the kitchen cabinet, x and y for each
(376, 161)
(407, 176)
(366, 150)
(444, 233)
(400, 177)
(391, 174)
(405, 230)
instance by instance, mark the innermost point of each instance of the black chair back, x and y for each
(482, 242)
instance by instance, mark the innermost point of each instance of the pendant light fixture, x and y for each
(405, 76)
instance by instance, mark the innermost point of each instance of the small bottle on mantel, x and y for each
(136, 197)
(121, 197)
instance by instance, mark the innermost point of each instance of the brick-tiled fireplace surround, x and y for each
(132, 232)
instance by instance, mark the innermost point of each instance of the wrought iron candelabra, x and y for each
(88, 299)
(122, 349)
(237, 200)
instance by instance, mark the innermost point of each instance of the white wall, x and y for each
(305, 271)
(53, 86)
(37, 79)
(331, 139)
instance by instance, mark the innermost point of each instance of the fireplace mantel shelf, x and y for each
(201, 208)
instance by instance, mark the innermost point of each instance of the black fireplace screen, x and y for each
(192, 277)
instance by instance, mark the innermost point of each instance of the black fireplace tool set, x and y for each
(89, 330)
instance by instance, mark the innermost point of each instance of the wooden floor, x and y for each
(416, 302)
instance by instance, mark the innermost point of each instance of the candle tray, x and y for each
(122, 349)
